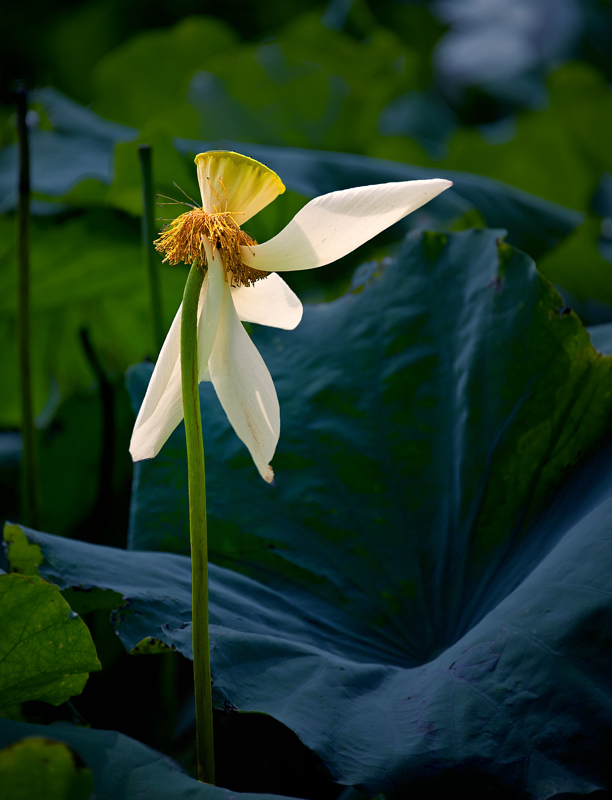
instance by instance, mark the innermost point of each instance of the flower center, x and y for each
(182, 240)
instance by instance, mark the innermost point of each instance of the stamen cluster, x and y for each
(182, 240)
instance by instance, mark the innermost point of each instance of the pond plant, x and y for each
(232, 278)
(403, 590)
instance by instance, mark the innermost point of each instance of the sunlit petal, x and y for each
(162, 408)
(244, 388)
(232, 182)
(268, 302)
(335, 224)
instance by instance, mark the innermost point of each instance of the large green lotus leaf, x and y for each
(425, 589)
(46, 651)
(522, 699)
(310, 87)
(414, 313)
(533, 224)
(87, 272)
(122, 767)
(160, 63)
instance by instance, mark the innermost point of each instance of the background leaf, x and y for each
(87, 273)
(76, 146)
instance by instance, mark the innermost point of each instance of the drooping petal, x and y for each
(268, 302)
(335, 224)
(244, 388)
(232, 182)
(162, 408)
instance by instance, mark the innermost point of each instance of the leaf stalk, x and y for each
(29, 484)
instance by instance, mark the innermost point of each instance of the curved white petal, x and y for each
(233, 182)
(335, 224)
(162, 408)
(244, 387)
(268, 302)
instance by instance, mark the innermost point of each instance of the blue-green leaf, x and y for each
(78, 147)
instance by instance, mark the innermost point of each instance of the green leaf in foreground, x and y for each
(122, 767)
(425, 591)
(39, 767)
(46, 651)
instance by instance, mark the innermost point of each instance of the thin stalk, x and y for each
(148, 235)
(197, 525)
(29, 485)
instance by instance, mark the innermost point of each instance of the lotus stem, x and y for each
(29, 485)
(197, 525)
(150, 254)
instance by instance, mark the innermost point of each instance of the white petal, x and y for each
(162, 408)
(236, 183)
(244, 387)
(268, 302)
(335, 224)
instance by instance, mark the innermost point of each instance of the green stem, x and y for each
(148, 235)
(197, 524)
(29, 484)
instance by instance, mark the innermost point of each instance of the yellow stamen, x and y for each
(181, 240)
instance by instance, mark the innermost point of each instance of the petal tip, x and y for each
(291, 326)
(139, 451)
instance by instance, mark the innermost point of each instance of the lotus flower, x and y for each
(242, 284)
